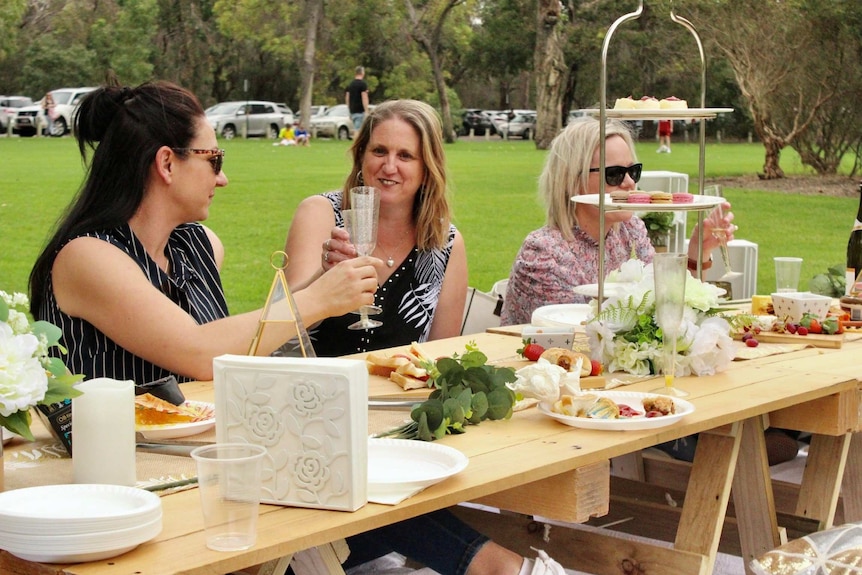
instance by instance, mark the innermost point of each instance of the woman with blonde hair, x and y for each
(564, 253)
(423, 262)
(422, 270)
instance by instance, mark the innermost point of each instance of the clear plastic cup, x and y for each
(229, 481)
(787, 272)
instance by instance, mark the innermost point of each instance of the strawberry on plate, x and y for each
(531, 351)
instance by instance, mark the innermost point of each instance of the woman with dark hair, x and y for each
(129, 275)
(422, 269)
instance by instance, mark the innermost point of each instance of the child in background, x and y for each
(287, 137)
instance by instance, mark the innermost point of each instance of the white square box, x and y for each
(311, 415)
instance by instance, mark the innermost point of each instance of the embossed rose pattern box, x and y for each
(310, 414)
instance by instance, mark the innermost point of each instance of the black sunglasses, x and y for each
(216, 158)
(614, 175)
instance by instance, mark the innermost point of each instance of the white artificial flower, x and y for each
(23, 381)
(631, 271)
(540, 380)
(712, 349)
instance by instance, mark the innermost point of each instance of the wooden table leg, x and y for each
(851, 486)
(821, 480)
(321, 560)
(708, 492)
(752, 494)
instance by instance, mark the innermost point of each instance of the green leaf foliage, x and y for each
(467, 391)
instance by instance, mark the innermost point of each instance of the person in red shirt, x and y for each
(665, 129)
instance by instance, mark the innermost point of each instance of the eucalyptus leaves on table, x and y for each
(467, 391)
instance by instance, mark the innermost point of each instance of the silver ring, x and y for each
(328, 245)
(326, 257)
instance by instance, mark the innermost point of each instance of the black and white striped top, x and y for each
(194, 284)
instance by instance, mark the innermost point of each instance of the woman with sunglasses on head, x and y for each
(564, 253)
(129, 276)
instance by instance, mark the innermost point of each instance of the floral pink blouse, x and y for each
(548, 267)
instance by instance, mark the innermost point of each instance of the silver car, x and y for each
(253, 117)
(8, 107)
(334, 123)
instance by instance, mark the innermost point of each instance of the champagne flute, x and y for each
(670, 271)
(721, 235)
(362, 227)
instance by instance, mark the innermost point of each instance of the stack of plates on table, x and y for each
(401, 468)
(77, 523)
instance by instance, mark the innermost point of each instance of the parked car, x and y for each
(477, 121)
(289, 116)
(259, 118)
(8, 107)
(30, 119)
(519, 125)
(316, 111)
(334, 123)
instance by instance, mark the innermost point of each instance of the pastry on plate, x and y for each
(673, 103)
(150, 410)
(567, 359)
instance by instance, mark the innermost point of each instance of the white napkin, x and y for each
(391, 495)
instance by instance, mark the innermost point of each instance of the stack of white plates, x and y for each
(76, 523)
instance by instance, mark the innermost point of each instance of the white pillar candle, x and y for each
(103, 432)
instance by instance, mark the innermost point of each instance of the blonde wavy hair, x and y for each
(567, 169)
(431, 210)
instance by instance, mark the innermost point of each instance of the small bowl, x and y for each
(793, 305)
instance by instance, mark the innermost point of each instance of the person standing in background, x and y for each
(665, 129)
(48, 107)
(356, 97)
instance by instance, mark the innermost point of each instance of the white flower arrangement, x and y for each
(28, 375)
(625, 336)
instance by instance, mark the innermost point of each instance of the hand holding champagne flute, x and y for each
(361, 223)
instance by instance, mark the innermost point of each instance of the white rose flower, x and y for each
(23, 381)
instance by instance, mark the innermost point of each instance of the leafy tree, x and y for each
(784, 94)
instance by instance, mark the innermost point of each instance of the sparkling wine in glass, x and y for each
(721, 234)
(670, 271)
(361, 224)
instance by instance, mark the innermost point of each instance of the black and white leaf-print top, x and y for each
(194, 284)
(408, 298)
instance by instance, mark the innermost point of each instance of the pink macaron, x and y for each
(638, 198)
(683, 198)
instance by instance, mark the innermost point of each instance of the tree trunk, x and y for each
(448, 130)
(314, 13)
(771, 166)
(550, 66)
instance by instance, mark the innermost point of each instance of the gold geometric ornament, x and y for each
(280, 311)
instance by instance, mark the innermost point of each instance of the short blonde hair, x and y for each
(567, 169)
(431, 210)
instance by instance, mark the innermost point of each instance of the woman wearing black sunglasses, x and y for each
(129, 275)
(564, 253)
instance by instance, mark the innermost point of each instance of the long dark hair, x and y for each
(124, 127)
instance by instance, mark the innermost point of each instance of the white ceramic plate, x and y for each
(610, 289)
(561, 315)
(683, 114)
(176, 430)
(700, 202)
(633, 399)
(614, 289)
(401, 465)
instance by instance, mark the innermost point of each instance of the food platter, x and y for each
(403, 467)
(658, 114)
(700, 202)
(633, 399)
(176, 430)
(562, 315)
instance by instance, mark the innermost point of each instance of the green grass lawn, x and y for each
(493, 184)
